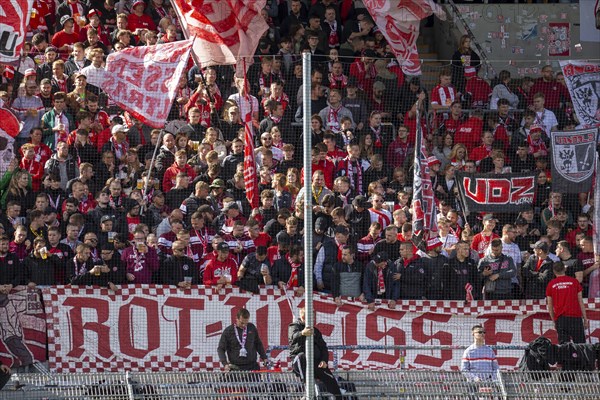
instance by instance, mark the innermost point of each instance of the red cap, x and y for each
(433, 160)
(470, 72)
(536, 127)
(30, 72)
(137, 3)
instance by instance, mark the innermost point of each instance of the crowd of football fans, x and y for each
(82, 205)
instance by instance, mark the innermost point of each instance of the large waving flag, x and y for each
(227, 30)
(424, 209)
(14, 20)
(399, 21)
(583, 81)
(143, 80)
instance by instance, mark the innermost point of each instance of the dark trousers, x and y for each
(4, 378)
(570, 328)
(322, 374)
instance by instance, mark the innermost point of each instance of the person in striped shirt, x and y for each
(479, 360)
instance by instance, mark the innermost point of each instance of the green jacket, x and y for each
(48, 119)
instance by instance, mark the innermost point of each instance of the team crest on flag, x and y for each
(573, 159)
(583, 81)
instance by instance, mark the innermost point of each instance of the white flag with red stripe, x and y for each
(227, 31)
(143, 80)
(399, 22)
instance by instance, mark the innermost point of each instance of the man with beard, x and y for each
(178, 269)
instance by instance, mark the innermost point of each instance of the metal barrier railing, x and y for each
(403, 384)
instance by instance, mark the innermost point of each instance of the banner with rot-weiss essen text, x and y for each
(163, 328)
(14, 20)
(504, 193)
(583, 81)
(22, 327)
(143, 80)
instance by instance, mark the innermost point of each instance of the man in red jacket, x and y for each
(180, 165)
(222, 270)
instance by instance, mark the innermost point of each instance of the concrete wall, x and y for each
(518, 37)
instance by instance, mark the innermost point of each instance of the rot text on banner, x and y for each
(13, 26)
(158, 328)
(226, 31)
(22, 328)
(143, 80)
(399, 22)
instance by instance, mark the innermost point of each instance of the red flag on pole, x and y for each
(14, 20)
(226, 30)
(399, 22)
(143, 80)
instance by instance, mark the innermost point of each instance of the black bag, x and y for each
(538, 356)
(348, 386)
(577, 357)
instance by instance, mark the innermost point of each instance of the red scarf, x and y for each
(356, 183)
(333, 121)
(338, 82)
(293, 281)
(377, 133)
(380, 281)
(119, 148)
(333, 40)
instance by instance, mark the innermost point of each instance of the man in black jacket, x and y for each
(347, 276)
(178, 269)
(380, 281)
(240, 343)
(459, 272)
(297, 334)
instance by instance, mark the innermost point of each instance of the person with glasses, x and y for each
(479, 360)
(179, 269)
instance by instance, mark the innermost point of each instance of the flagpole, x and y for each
(156, 147)
(308, 223)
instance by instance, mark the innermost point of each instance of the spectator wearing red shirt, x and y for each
(454, 120)
(583, 226)
(63, 40)
(137, 20)
(469, 132)
(42, 151)
(564, 301)
(363, 70)
(31, 165)
(444, 94)
(483, 151)
(498, 130)
(399, 149)
(222, 270)
(552, 90)
(180, 165)
(477, 91)
(483, 239)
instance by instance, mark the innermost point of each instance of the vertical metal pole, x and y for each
(308, 223)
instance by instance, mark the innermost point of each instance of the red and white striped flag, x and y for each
(399, 22)
(14, 21)
(469, 290)
(143, 80)
(227, 31)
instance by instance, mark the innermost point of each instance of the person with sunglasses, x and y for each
(479, 360)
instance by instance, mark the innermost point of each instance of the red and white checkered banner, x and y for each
(22, 327)
(162, 328)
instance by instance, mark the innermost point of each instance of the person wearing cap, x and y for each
(64, 39)
(497, 271)
(537, 271)
(564, 301)
(44, 71)
(117, 144)
(221, 270)
(254, 271)
(358, 215)
(381, 281)
(138, 20)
